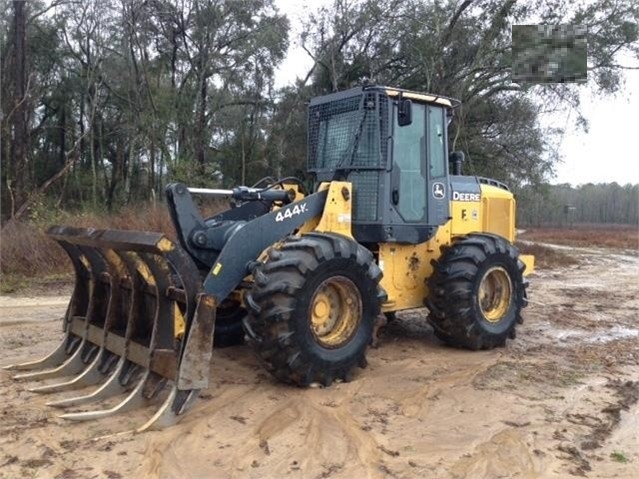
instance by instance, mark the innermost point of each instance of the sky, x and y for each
(297, 62)
(608, 152)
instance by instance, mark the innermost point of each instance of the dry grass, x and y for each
(545, 257)
(605, 236)
(27, 252)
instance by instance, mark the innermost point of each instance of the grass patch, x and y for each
(546, 257)
(619, 456)
(50, 285)
(12, 283)
(27, 252)
(604, 236)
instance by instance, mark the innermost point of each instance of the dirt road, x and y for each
(559, 401)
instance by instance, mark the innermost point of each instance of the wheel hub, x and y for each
(322, 309)
(495, 294)
(335, 311)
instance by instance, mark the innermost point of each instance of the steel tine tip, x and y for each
(89, 377)
(134, 400)
(73, 365)
(54, 359)
(110, 388)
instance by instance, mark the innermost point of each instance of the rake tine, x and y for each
(135, 293)
(112, 387)
(90, 376)
(73, 365)
(77, 308)
(166, 415)
(52, 360)
(95, 372)
(134, 400)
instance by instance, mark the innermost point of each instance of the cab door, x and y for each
(419, 181)
(436, 151)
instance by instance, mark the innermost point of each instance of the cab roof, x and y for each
(420, 97)
(391, 92)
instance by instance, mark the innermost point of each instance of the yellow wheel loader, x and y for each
(304, 278)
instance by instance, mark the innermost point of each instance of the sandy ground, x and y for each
(561, 400)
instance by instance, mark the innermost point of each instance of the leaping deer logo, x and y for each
(438, 191)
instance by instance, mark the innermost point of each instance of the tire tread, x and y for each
(451, 291)
(272, 304)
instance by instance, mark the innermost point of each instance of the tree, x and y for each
(607, 203)
(463, 49)
(110, 99)
(104, 102)
(15, 181)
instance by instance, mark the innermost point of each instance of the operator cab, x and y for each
(392, 145)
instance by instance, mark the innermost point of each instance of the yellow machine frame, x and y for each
(406, 266)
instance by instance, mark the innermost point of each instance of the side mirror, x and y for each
(405, 112)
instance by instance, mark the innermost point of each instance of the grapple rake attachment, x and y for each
(138, 322)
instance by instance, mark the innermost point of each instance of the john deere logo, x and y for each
(438, 191)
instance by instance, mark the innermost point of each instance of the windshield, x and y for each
(344, 134)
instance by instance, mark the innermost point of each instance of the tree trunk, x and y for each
(151, 178)
(62, 125)
(243, 163)
(20, 136)
(116, 167)
(93, 159)
(200, 146)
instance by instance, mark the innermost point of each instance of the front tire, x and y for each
(476, 292)
(313, 308)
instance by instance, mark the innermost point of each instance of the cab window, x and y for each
(436, 146)
(409, 158)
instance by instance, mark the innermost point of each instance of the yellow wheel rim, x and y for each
(335, 311)
(495, 293)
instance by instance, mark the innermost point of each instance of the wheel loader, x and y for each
(303, 277)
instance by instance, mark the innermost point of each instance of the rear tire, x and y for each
(476, 292)
(313, 307)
